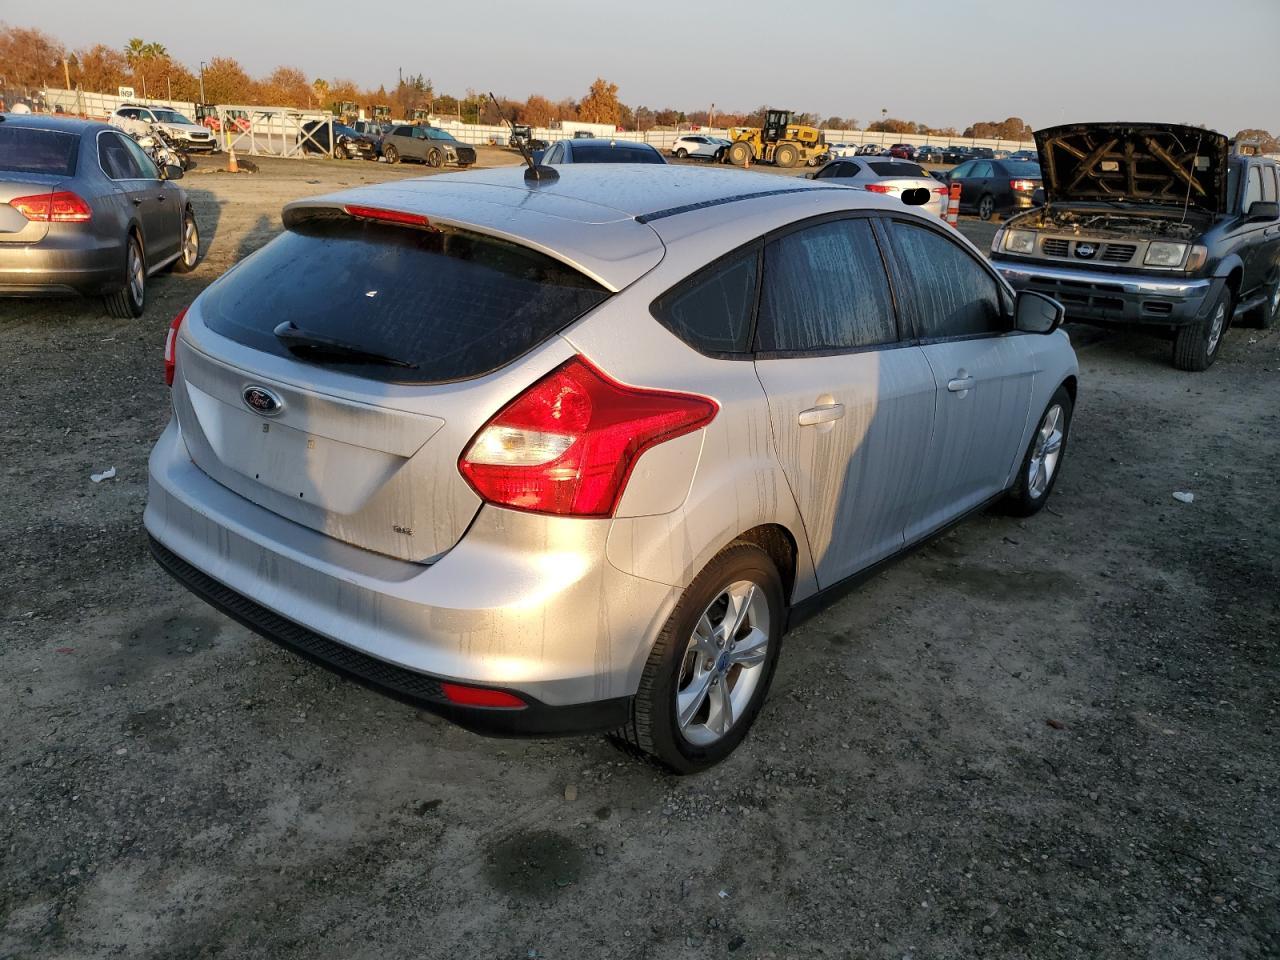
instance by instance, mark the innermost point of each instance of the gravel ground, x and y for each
(1051, 738)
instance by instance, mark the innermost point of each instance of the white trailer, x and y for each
(571, 128)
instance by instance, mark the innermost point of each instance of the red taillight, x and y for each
(480, 697)
(877, 188)
(387, 216)
(61, 207)
(1022, 186)
(567, 444)
(171, 348)
(942, 190)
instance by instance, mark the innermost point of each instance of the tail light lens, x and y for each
(942, 190)
(877, 188)
(566, 446)
(61, 207)
(171, 348)
(1023, 186)
(387, 216)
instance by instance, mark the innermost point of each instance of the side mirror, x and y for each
(171, 171)
(1261, 210)
(1037, 197)
(1035, 313)
(916, 197)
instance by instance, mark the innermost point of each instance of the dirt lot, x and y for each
(1053, 738)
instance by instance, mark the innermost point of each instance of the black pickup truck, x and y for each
(1157, 225)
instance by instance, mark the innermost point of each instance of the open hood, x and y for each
(1138, 162)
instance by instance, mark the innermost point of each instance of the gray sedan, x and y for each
(84, 210)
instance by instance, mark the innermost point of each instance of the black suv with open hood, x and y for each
(1154, 224)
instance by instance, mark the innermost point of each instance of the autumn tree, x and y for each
(98, 68)
(601, 105)
(286, 87)
(29, 58)
(342, 90)
(538, 111)
(1014, 128)
(226, 82)
(893, 125)
(1265, 141)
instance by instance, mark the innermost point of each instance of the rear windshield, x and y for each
(452, 305)
(1022, 168)
(896, 168)
(28, 150)
(618, 154)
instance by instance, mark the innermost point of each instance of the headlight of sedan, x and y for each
(1020, 241)
(1162, 254)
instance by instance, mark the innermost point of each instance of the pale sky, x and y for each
(943, 62)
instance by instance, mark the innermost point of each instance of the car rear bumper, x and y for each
(1099, 296)
(196, 146)
(66, 261)
(524, 604)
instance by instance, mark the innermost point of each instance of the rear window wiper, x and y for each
(295, 337)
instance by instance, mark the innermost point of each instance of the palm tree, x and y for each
(134, 50)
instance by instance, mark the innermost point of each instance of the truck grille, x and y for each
(1118, 252)
(1054, 247)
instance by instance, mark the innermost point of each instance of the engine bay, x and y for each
(1097, 223)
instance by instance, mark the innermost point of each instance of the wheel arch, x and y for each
(780, 544)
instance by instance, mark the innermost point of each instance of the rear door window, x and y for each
(28, 150)
(824, 289)
(1253, 187)
(1269, 183)
(711, 311)
(116, 159)
(444, 305)
(951, 293)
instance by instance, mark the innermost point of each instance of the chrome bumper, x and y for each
(1017, 273)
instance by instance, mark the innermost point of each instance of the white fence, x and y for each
(272, 125)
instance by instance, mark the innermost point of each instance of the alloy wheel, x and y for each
(1216, 326)
(190, 242)
(1046, 452)
(723, 663)
(137, 273)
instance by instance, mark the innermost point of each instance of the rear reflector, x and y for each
(387, 216)
(566, 446)
(61, 207)
(481, 697)
(171, 348)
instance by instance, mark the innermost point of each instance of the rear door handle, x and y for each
(960, 384)
(823, 414)
(160, 197)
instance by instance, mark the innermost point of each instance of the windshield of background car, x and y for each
(28, 150)
(1022, 168)
(896, 168)
(617, 154)
(452, 304)
(171, 116)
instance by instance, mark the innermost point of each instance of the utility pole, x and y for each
(711, 115)
(202, 99)
(66, 73)
(168, 85)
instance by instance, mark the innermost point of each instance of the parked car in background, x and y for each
(599, 150)
(1024, 155)
(429, 145)
(1151, 225)
(373, 130)
(842, 149)
(84, 210)
(184, 135)
(699, 145)
(887, 176)
(956, 154)
(903, 151)
(523, 133)
(650, 419)
(981, 153)
(347, 142)
(928, 154)
(991, 187)
(870, 150)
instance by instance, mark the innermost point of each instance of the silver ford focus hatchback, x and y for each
(570, 456)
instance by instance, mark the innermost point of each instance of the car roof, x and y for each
(610, 142)
(49, 121)
(613, 222)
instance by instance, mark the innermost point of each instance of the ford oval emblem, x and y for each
(261, 400)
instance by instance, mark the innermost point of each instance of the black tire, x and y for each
(390, 154)
(653, 730)
(435, 159)
(1026, 497)
(127, 303)
(786, 155)
(1196, 345)
(189, 249)
(719, 157)
(682, 154)
(340, 152)
(986, 207)
(740, 153)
